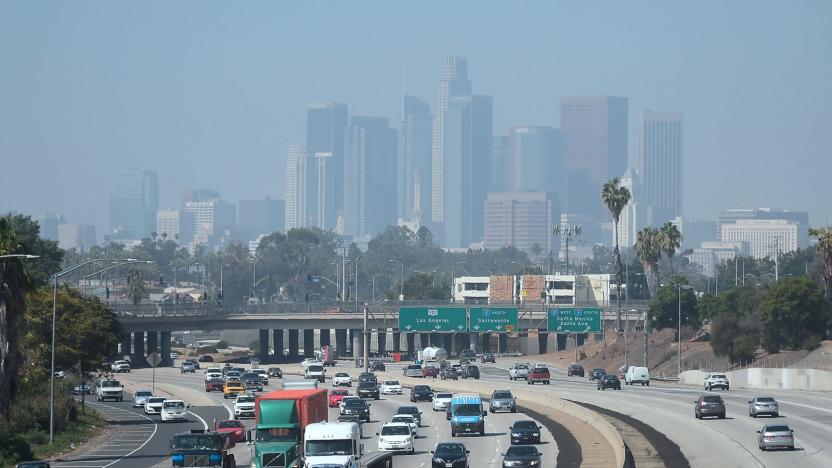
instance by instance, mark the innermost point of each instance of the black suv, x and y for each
(521, 456)
(367, 377)
(608, 381)
(575, 369)
(525, 431)
(368, 389)
(359, 407)
(421, 393)
(447, 373)
(470, 372)
(377, 366)
(488, 357)
(275, 372)
(449, 455)
(597, 373)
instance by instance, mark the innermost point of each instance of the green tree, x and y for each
(135, 286)
(648, 250)
(616, 198)
(824, 249)
(670, 239)
(664, 308)
(735, 322)
(423, 287)
(794, 313)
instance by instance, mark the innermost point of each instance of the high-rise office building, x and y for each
(49, 225)
(453, 82)
(197, 195)
(211, 217)
(263, 216)
(414, 156)
(326, 125)
(695, 231)
(661, 164)
(595, 129)
(76, 236)
(731, 216)
(467, 137)
(175, 225)
(499, 163)
(134, 200)
(520, 219)
(765, 237)
(634, 215)
(537, 160)
(370, 166)
(294, 189)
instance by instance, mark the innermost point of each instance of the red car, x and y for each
(429, 371)
(335, 397)
(214, 385)
(233, 426)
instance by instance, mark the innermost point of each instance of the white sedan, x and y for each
(342, 379)
(153, 405)
(391, 387)
(396, 437)
(441, 401)
(174, 410)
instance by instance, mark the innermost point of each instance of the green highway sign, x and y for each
(494, 319)
(574, 320)
(433, 319)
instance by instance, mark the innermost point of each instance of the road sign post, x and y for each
(433, 319)
(494, 319)
(574, 320)
(154, 359)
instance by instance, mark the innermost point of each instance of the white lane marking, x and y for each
(204, 424)
(155, 429)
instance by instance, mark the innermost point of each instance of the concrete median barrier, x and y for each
(768, 379)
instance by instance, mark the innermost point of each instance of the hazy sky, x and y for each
(210, 93)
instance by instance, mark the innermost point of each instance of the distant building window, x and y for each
(476, 286)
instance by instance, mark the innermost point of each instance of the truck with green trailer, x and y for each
(281, 417)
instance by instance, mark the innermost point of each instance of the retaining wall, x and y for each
(769, 379)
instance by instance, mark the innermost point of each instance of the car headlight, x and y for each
(536, 434)
(534, 462)
(438, 460)
(515, 434)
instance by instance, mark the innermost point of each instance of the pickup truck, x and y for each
(120, 366)
(538, 374)
(518, 371)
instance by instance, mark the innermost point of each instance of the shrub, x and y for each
(207, 350)
(13, 447)
(222, 344)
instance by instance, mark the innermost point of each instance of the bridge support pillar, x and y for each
(411, 343)
(561, 341)
(357, 344)
(264, 346)
(165, 349)
(138, 348)
(325, 337)
(309, 343)
(474, 342)
(543, 341)
(294, 349)
(502, 343)
(152, 338)
(341, 342)
(381, 336)
(436, 340)
(125, 346)
(448, 341)
(485, 342)
(579, 338)
(397, 342)
(424, 340)
(277, 337)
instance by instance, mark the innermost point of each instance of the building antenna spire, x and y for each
(404, 92)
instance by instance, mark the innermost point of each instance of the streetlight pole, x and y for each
(453, 277)
(374, 286)
(401, 286)
(55, 279)
(680, 286)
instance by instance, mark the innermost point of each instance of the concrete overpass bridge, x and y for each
(302, 328)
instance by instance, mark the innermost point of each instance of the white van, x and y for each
(636, 375)
(108, 389)
(333, 444)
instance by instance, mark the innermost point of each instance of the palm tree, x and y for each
(670, 239)
(616, 198)
(824, 236)
(135, 287)
(648, 250)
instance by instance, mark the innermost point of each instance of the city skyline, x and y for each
(731, 139)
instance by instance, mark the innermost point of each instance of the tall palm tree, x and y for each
(135, 287)
(616, 198)
(670, 239)
(824, 236)
(648, 250)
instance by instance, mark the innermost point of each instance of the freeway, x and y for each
(668, 408)
(485, 451)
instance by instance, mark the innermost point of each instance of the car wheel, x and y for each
(762, 448)
(514, 410)
(776, 415)
(722, 416)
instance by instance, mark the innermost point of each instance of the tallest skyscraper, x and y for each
(326, 126)
(453, 82)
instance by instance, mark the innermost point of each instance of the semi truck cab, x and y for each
(333, 444)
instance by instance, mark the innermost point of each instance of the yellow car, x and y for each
(232, 389)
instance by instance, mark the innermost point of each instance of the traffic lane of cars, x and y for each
(671, 409)
(485, 451)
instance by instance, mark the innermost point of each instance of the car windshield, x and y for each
(713, 399)
(502, 395)
(414, 367)
(408, 410)
(339, 392)
(467, 410)
(342, 374)
(521, 366)
(391, 382)
(421, 388)
(718, 376)
(245, 399)
(610, 377)
(521, 451)
(367, 385)
(322, 448)
(231, 423)
(395, 430)
(777, 429)
(174, 405)
(765, 400)
(196, 442)
(155, 400)
(276, 434)
(402, 419)
(443, 395)
(110, 383)
(143, 393)
(316, 368)
(356, 402)
(525, 425)
(250, 375)
(450, 450)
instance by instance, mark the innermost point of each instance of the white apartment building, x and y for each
(765, 237)
(211, 216)
(596, 290)
(76, 236)
(711, 254)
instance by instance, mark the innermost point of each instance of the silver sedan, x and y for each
(775, 436)
(763, 405)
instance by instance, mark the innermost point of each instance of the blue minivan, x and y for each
(467, 415)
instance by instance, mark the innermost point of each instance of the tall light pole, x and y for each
(453, 278)
(401, 286)
(567, 232)
(28, 256)
(680, 287)
(374, 286)
(55, 279)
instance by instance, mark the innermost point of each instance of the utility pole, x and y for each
(366, 342)
(567, 232)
